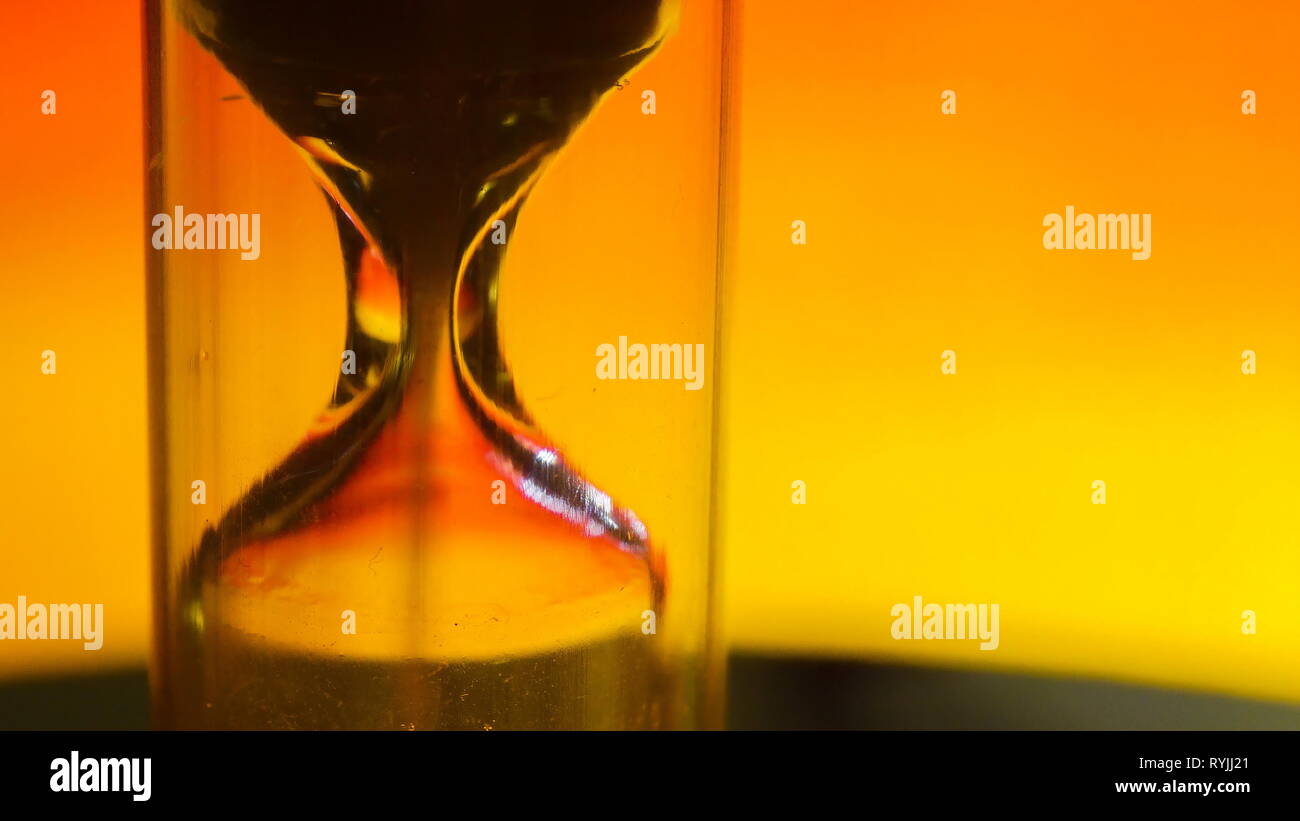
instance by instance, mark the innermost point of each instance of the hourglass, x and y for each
(422, 551)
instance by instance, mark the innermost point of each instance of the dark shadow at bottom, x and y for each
(788, 693)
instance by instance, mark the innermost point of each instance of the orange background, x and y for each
(75, 516)
(924, 234)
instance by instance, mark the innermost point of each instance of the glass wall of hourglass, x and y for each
(432, 314)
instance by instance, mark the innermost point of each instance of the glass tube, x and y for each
(432, 316)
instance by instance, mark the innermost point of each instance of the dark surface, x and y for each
(106, 701)
(784, 693)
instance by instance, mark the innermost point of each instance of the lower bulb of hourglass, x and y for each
(449, 560)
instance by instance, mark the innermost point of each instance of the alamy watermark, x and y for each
(77, 622)
(1099, 232)
(180, 231)
(920, 620)
(684, 362)
(77, 774)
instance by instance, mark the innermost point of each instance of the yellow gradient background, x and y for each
(924, 235)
